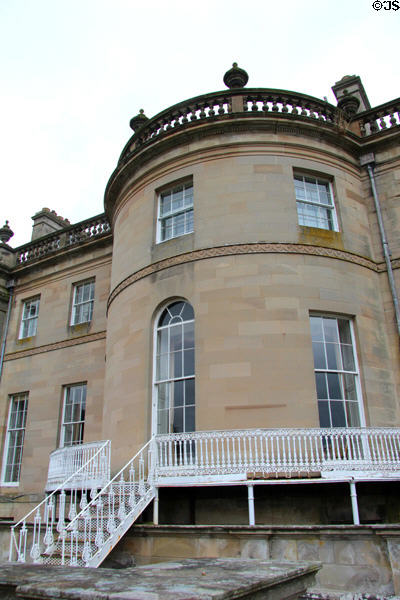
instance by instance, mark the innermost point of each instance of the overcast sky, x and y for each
(74, 72)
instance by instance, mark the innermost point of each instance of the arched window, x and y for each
(174, 369)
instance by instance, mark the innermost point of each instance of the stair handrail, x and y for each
(93, 501)
(60, 488)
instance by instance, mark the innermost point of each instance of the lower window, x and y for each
(336, 373)
(175, 376)
(73, 418)
(15, 438)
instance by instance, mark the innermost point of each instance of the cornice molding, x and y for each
(84, 339)
(232, 123)
(240, 249)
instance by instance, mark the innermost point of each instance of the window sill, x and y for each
(26, 341)
(80, 328)
(6, 484)
(176, 245)
(320, 237)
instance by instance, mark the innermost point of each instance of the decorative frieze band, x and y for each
(84, 339)
(236, 249)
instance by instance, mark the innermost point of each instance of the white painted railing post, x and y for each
(354, 503)
(155, 506)
(250, 499)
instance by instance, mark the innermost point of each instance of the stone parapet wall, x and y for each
(355, 559)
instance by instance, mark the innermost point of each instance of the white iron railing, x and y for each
(92, 534)
(65, 463)
(277, 451)
(86, 538)
(49, 516)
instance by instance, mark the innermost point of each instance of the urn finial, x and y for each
(137, 122)
(235, 77)
(6, 233)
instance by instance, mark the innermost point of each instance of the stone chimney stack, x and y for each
(47, 221)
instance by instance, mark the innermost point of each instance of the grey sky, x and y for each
(74, 72)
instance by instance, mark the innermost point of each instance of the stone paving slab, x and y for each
(197, 579)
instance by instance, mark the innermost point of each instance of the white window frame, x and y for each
(168, 380)
(78, 305)
(75, 423)
(341, 371)
(29, 318)
(305, 221)
(12, 428)
(184, 212)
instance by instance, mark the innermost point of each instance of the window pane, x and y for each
(176, 308)
(177, 424)
(187, 312)
(188, 196)
(190, 418)
(322, 390)
(324, 417)
(353, 414)
(179, 225)
(164, 319)
(348, 358)
(189, 221)
(344, 331)
(316, 329)
(163, 421)
(330, 330)
(334, 387)
(165, 206)
(175, 365)
(163, 396)
(338, 414)
(189, 392)
(349, 387)
(176, 337)
(188, 329)
(333, 356)
(163, 336)
(162, 366)
(188, 362)
(177, 199)
(178, 393)
(319, 355)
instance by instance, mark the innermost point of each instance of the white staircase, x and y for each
(86, 537)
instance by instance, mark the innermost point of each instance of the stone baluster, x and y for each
(275, 106)
(296, 107)
(221, 109)
(392, 120)
(284, 102)
(202, 114)
(381, 120)
(211, 111)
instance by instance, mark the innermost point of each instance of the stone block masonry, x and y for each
(204, 579)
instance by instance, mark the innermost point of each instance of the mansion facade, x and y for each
(222, 339)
